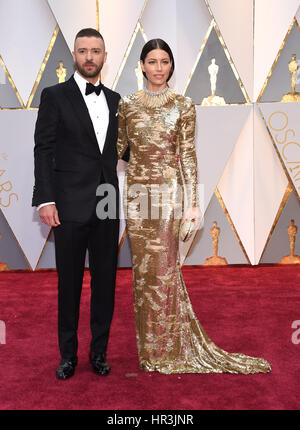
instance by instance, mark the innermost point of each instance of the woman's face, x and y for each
(157, 67)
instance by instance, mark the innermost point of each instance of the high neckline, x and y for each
(155, 99)
(156, 93)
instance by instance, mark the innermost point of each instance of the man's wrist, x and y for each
(45, 204)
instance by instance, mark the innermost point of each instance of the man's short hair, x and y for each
(89, 32)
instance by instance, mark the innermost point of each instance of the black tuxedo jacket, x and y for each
(68, 163)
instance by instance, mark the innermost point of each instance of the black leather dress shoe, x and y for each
(66, 368)
(99, 364)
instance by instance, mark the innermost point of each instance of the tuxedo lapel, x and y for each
(74, 95)
(112, 118)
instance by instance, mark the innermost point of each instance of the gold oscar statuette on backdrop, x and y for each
(215, 260)
(213, 99)
(3, 266)
(292, 258)
(293, 96)
(61, 72)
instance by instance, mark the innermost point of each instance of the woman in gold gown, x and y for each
(158, 123)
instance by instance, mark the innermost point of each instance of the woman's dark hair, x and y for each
(157, 44)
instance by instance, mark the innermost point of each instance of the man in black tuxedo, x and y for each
(75, 152)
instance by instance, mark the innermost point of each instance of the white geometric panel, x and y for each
(283, 123)
(26, 28)
(218, 128)
(159, 22)
(193, 20)
(298, 15)
(74, 15)
(270, 182)
(271, 22)
(16, 182)
(235, 21)
(154, 18)
(188, 22)
(214, 145)
(117, 25)
(236, 186)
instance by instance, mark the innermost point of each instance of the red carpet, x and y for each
(243, 309)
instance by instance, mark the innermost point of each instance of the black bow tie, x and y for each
(90, 88)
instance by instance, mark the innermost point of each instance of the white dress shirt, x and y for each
(98, 111)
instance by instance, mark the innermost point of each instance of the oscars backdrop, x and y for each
(239, 60)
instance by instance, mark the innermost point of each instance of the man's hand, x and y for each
(49, 215)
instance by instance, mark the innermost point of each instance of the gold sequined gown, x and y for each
(169, 336)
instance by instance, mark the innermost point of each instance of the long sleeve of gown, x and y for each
(122, 142)
(187, 153)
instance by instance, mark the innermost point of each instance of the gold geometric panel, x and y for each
(57, 67)
(118, 21)
(284, 239)
(130, 77)
(11, 255)
(73, 15)
(214, 79)
(235, 20)
(283, 78)
(9, 96)
(229, 247)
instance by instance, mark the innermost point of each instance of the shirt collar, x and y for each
(81, 82)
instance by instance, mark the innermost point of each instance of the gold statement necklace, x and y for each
(155, 99)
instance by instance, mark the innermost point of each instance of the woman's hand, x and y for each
(193, 213)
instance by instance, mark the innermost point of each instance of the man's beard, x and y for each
(89, 74)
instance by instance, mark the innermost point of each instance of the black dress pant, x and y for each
(72, 239)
